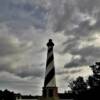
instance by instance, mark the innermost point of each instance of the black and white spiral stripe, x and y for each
(50, 69)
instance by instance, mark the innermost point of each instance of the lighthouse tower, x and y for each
(50, 91)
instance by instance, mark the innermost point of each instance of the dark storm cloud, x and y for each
(9, 46)
(5, 67)
(72, 71)
(88, 51)
(20, 21)
(17, 84)
(12, 55)
(88, 5)
(27, 13)
(80, 19)
(77, 63)
(33, 71)
(74, 14)
(61, 12)
(23, 71)
(88, 55)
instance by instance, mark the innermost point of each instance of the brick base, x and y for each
(50, 93)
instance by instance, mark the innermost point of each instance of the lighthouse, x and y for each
(50, 90)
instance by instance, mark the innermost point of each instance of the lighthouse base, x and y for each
(50, 93)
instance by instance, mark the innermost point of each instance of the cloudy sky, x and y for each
(26, 26)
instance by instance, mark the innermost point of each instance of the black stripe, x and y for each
(97, 76)
(50, 49)
(49, 76)
(49, 60)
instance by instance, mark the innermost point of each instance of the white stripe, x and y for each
(49, 47)
(49, 67)
(49, 55)
(52, 83)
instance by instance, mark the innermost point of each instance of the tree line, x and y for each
(89, 89)
(8, 95)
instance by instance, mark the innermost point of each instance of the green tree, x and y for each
(78, 86)
(94, 80)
